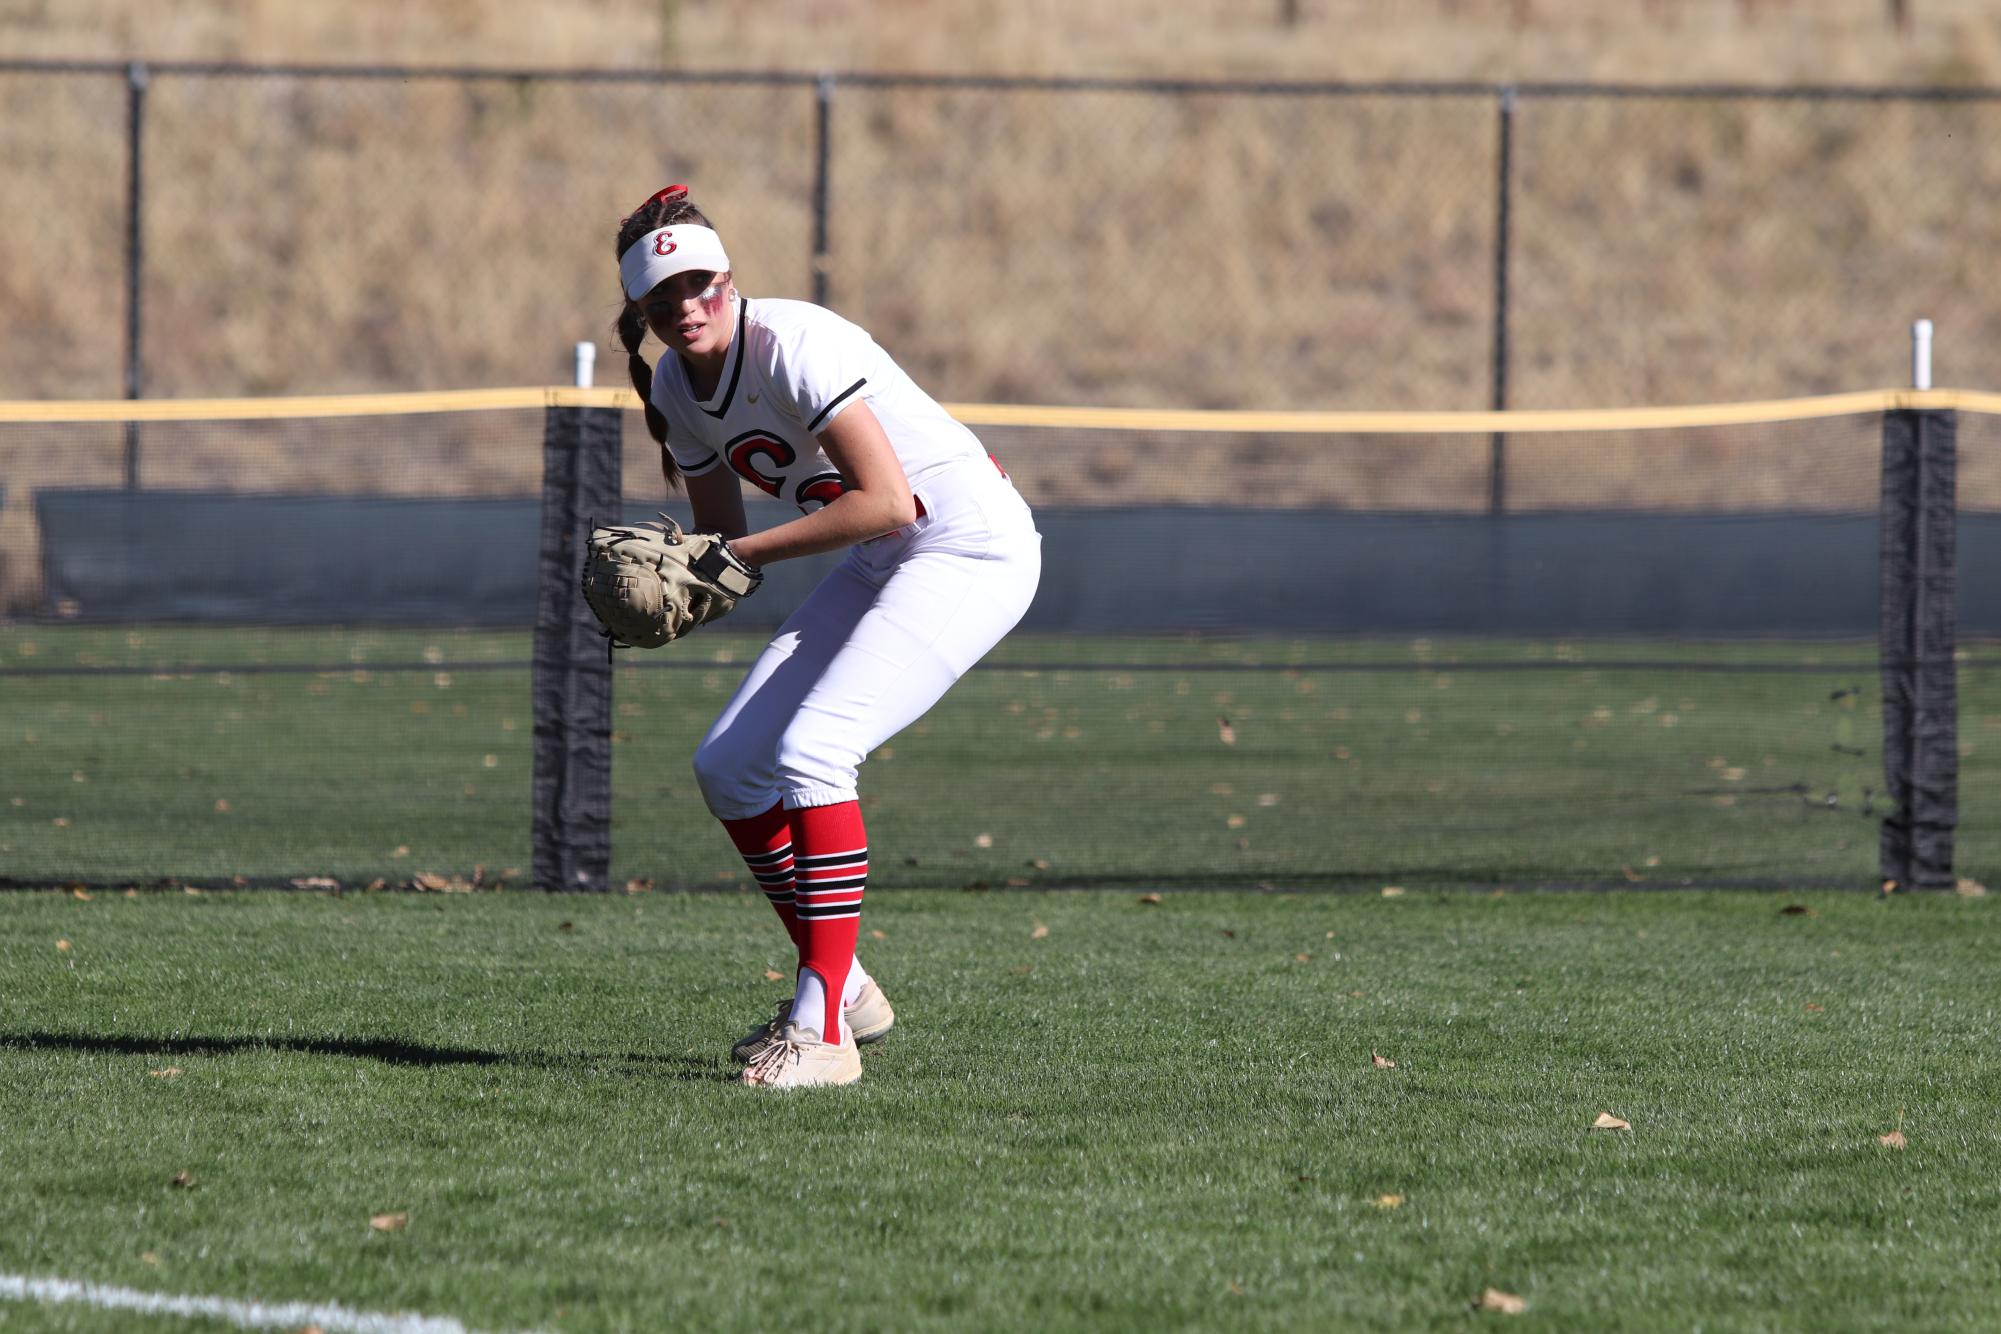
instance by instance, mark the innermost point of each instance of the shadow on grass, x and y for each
(390, 1051)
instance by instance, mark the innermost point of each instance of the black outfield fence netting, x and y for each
(340, 642)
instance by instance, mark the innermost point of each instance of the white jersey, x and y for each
(791, 368)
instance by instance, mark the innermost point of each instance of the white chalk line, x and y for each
(247, 1315)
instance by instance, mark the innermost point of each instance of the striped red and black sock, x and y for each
(830, 858)
(766, 844)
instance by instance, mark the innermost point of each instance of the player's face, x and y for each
(690, 312)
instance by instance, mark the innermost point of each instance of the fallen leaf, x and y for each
(983, 840)
(773, 975)
(1894, 1140)
(1889, 886)
(222, 805)
(1380, 1061)
(429, 880)
(1797, 910)
(1228, 934)
(148, 1258)
(1302, 957)
(1041, 932)
(308, 882)
(1268, 799)
(1018, 882)
(1811, 1008)
(1387, 1201)
(1631, 875)
(566, 926)
(1236, 1288)
(639, 886)
(389, 1222)
(1038, 863)
(1149, 899)
(1392, 891)
(1493, 1299)
(1235, 822)
(1226, 733)
(878, 934)
(183, 1181)
(1607, 1121)
(62, 946)
(1969, 889)
(167, 1073)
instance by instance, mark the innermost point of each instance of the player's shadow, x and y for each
(389, 1051)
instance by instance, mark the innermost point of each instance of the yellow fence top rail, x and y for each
(1001, 414)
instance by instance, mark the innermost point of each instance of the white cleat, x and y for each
(800, 1060)
(869, 1018)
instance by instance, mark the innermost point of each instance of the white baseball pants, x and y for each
(873, 647)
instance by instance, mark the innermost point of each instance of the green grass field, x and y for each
(411, 756)
(1144, 1117)
(1096, 1111)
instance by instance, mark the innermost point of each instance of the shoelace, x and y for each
(771, 1061)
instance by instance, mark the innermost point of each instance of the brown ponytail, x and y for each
(668, 208)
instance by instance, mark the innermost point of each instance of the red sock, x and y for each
(830, 851)
(766, 844)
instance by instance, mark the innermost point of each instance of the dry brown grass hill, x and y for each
(1111, 247)
(1761, 41)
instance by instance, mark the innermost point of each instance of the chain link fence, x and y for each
(233, 230)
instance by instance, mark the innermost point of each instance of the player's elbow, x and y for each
(902, 509)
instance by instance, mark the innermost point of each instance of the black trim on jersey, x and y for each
(736, 348)
(699, 467)
(814, 425)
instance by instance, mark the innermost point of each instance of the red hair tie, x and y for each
(667, 196)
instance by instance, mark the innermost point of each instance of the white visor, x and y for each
(659, 255)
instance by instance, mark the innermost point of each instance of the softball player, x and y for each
(943, 560)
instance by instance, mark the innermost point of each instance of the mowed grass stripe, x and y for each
(1597, 770)
(1147, 1115)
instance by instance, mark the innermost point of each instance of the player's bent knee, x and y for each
(720, 773)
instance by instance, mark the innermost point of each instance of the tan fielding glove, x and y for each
(648, 584)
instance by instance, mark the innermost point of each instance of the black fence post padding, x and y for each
(1919, 640)
(581, 458)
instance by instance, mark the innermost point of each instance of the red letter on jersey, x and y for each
(747, 447)
(818, 491)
